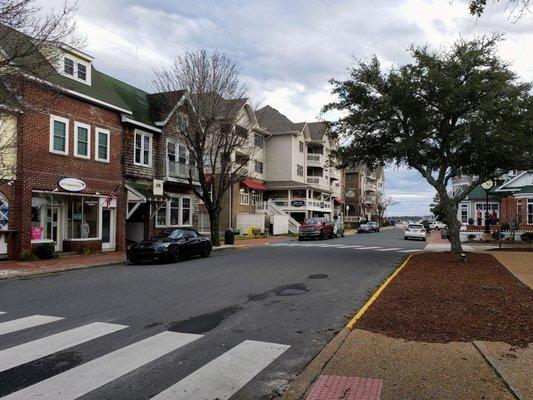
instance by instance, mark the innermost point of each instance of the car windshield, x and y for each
(313, 221)
(415, 226)
(171, 234)
(364, 226)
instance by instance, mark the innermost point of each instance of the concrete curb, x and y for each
(43, 273)
(376, 294)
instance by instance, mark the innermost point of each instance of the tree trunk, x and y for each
(450, 211)
(214, 224)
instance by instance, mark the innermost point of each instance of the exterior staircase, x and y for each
(270, 208)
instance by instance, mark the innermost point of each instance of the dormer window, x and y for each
(77, 66)
(68, 66)
(82, 72)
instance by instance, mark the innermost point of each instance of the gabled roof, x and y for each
(526, 190)
(275, 122)
(478, 193)
(317, 130)
(523, 179)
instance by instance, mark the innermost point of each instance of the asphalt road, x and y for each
(224, 308)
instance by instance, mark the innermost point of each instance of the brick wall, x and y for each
(38, 169)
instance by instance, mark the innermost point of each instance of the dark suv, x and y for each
(317, 227)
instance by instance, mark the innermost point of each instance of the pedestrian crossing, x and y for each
(25, 323)
(220, 378)
(342, 246)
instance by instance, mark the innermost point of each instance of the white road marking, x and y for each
(18, 355)
(390, 249)
(25, 323)
(348, 247)
(367, 248)
(2, 312)
(87, 377)
(410, 250)
(224, 376)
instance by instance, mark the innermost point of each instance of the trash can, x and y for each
(444, 233)
(229, 236)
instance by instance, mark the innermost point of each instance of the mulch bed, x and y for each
(438, 298)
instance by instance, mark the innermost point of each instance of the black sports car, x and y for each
(170, 245)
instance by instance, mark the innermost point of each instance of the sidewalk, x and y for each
(430, 336)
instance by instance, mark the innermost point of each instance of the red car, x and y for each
(317, 227)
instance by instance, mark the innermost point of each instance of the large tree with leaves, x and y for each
(450, 112)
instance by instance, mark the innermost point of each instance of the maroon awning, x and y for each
(253, 185)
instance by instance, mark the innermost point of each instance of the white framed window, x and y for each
(258, 166)
(68, 66)
(58, 135)
(101, 144)
(82, 72)
(175, 212)
(142, 151)
(299, 170)
(82, 140)
(301, 146)
(530, 211)
(259, 140)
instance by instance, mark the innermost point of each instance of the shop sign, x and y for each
(71, 184)
(158, 187)
(298, 203)
(350, 193)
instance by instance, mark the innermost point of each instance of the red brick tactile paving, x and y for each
(336, 387)
(11, 269)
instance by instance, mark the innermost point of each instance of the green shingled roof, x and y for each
(144, 107)
(479, 194)
(526, 190)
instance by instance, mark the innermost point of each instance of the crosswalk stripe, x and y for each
(18, 355)
(25, 323)
(224, 376)
(2, 312)
(87, 377)
(367, 248)
(390, 249)
(409, 250)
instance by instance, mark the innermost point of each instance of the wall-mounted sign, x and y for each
(298, 203)
(158, 187)
(71, 184)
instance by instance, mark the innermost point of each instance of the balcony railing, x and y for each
(315, 160)
(296, 204)
(181, 170)
(317, 181)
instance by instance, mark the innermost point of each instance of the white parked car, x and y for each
(415, 231)
(437, 225)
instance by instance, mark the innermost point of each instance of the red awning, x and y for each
(253, 185)
(339, 200)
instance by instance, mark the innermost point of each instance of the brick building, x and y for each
(67, 188)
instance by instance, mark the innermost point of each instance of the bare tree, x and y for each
(30, 41)
(217, 137)
(516, 8)
(381, 204)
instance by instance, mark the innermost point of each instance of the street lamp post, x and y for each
(487, 186)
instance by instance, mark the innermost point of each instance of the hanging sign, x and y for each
(71, 184)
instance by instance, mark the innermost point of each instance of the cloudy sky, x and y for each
(288, 49)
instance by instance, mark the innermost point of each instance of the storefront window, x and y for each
(82, 217)
(175, 212)
(42, 214)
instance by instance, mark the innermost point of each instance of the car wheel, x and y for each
(174, 254)
(300, 239)
(406, 238)
(206, 252)
(331, 235)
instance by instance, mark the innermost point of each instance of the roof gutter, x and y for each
(78, 94)
(139, 124)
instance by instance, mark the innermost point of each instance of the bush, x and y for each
(45, 251)
(505, 227)
(27, 256)
(527, 237)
